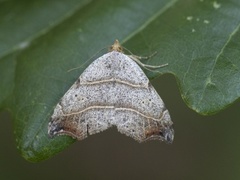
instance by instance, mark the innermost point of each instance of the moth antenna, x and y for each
(87, 60)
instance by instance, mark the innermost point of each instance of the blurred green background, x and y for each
(204, 148)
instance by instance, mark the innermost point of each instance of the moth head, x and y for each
(116, 47)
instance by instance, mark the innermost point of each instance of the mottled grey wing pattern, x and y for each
(112, 91)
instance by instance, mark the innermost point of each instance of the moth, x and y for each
(113, 91)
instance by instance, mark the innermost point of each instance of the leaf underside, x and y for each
(42, 40)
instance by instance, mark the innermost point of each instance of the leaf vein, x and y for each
(216, 60)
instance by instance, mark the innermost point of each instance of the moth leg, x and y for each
(138, 58)
(142, 57)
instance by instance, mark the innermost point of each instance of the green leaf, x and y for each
(42, 40)
(20, 23)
